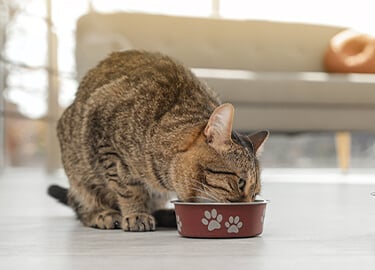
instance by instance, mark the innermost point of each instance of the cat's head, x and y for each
(219, 164)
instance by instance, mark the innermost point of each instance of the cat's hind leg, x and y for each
(105, 219)
(92, 212)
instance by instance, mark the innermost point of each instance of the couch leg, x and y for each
(343, 143)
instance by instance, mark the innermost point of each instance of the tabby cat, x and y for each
(142, 126)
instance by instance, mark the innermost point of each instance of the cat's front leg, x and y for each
(133, 200)
(138, 222)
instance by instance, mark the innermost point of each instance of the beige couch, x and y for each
(271, 71)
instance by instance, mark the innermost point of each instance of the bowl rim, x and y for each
(263, 201)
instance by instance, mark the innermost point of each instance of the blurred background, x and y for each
(38, 72)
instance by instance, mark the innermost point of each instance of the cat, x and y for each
(141, 126)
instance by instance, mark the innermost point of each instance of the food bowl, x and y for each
(220, 220)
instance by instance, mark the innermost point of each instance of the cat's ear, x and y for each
(258, 139)
(219, 127)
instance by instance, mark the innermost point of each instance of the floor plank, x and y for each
(308, 226)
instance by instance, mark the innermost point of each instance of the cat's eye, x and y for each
(241, 184)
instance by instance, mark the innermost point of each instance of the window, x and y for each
(31, 63)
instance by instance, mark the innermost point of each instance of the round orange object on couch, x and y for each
(351, 52)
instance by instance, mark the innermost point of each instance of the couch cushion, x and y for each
(205, 42)
(283, 88)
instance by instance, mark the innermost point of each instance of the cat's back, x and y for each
(133, 83)
(138, 66)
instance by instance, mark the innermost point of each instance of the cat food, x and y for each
(220, 220)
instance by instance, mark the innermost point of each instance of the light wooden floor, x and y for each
(308, 226)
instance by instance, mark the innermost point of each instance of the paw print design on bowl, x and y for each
(212, 220)
(234, 224)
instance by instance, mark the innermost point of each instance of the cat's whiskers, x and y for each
(202, 189)
(209, 196)
(211, 192)
(207, 190)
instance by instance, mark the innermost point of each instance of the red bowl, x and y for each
(220, 220)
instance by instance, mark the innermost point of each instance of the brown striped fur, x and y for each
(142, 125)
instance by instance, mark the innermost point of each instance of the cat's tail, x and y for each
(165, 218)
(59, 193)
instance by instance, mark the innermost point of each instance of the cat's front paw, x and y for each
(141, 222)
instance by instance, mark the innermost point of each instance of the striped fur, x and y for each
(141, 126)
